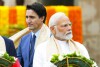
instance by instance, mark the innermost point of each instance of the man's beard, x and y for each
(66, 36)
(69, 36)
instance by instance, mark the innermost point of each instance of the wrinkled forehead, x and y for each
(63, 20)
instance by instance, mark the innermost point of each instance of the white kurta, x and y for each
(2, 46)
(40, 57)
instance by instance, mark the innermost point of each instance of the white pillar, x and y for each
(27, 2)
(9, 2)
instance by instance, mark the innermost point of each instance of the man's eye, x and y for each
(70, 24)
(32, 17)
(26, 16)
(65, 25)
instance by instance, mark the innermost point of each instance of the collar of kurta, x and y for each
(2, 46)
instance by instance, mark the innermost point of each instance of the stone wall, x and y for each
(91, 27)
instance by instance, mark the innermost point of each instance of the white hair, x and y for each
(54, 18)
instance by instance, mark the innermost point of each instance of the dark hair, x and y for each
(39, 9)
(1, 2)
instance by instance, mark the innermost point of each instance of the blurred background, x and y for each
(90, 18)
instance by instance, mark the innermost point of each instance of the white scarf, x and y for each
(44, 35)
(2, 46)
(54, 48)
(17, 37)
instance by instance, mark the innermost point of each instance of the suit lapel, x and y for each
(27, 45)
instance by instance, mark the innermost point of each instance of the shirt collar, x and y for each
(36, 34)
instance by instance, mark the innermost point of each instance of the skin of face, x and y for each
(33, 21)
(62, 30)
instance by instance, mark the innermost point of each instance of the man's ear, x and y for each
(42, 18)
(53, 30)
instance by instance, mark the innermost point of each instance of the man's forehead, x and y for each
(62, 18)
(64, 22)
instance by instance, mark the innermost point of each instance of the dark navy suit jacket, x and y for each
(23, 50)
(10, 48)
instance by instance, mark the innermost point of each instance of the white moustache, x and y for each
(68, 32)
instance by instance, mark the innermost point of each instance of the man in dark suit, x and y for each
(35, 18)
(9, 46)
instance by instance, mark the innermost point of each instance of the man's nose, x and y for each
(69, 28)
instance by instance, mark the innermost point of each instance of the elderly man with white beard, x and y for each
(60, 42)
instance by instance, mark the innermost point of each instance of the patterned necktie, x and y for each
(31, 53)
